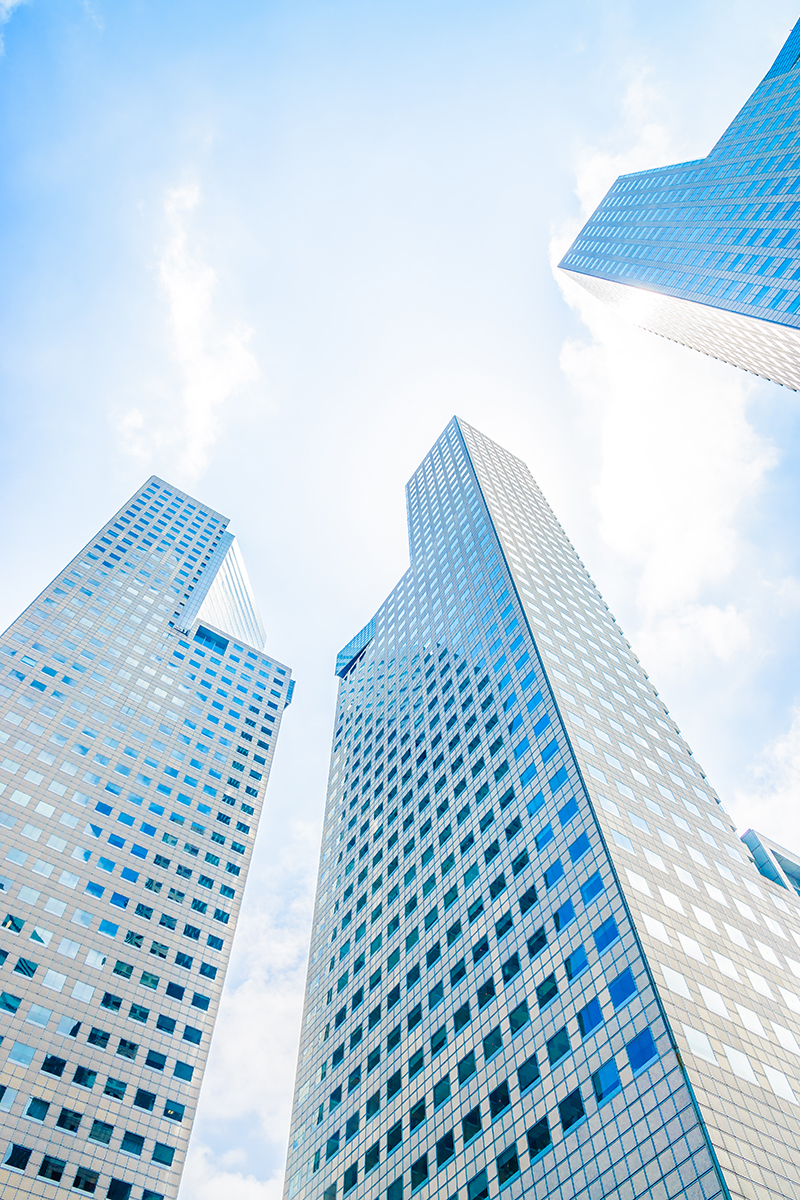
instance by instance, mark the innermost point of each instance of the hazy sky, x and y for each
(266, 250)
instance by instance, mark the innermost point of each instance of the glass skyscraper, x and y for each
(707, 253)
(542, 962)
(138, 718)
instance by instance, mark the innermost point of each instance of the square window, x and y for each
(590, 1017)
(558, 1046)
(499, 1100)
(606, 1081)
(539, 1138)
(471, 1125)
(571, 1110)
(641, 1051)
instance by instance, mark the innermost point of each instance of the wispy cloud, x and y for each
(249, 1082)
(212, 354)
(768, 799)
(7, 8)
(678, 456)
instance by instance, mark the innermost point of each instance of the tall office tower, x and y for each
(138, 716)
(707, 253)
(542, 962)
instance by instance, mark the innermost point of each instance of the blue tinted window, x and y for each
(606, 1081)
(553, 873)
(590, 1017)
(576, 963)
(579, 847)
(544, 836)
(606, 935)
(564, 915)
(568, 812)
(622, 988)
(592, 888)
(641, 1051)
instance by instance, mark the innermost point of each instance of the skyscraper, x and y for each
(138, 716)
(542, 961)
(707, 253)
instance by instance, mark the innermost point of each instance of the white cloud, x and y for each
(250, 1076)
(212, 355)
(205, 1178)
(767, 801)
(6, 12)
(677, 455)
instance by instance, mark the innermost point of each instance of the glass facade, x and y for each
(707, 253)
(542, 962)
(136, 738)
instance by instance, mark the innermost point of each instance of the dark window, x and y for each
(539, 1138)
(441, 1091)
(511, 967)
(86, 1180)
(558, 1045)
(499, 1100)
(101, 1132)
(416, 1063)
(144, 1099)
(119, 1190)
(393, 1085)
(471, 1125)
(461, 1018)
(417, 1114)
(571, 1109)
(438, 1041)
(52, 1168)
(492, 1043)
(69, 1119)
(445, 1149)
(127, 1049)
(17, 1157)
(132, 1143)
(497, 886)
(83, 1077)
(53, 1065)
(372, 1158)
(466, 1067)
(507, 1165)
(546, 991)
(527, 900)
(419, 1172)
(37, 1109)
(98, 1037)
(478, 1187)
(394, 1137)
(352, 1127)
(504, 926)
(537, 942)
(518, 1017)
(114, 1088)
(590, 1017)
(486, 992)
(480, 949)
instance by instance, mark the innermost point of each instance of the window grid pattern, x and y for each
(486, 1007)
(721, 232)
(135, 748)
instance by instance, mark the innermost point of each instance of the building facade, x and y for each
(138, 719)
(707, 253)
(542, 962)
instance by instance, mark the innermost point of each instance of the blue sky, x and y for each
(266, 250)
